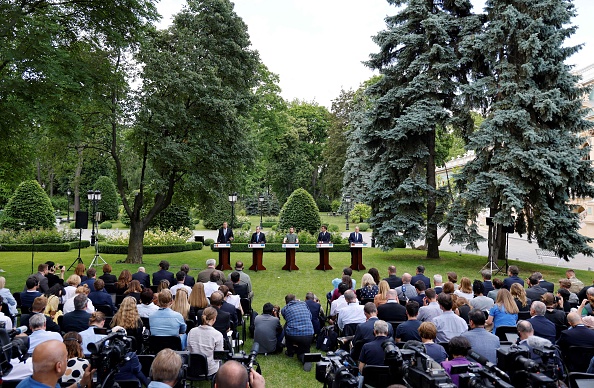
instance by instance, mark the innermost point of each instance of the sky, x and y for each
(317, 46)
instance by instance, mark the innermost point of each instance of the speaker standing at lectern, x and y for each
(356, 237)
(225, 235)
(291, 237)
(324, 236)
(258, 237)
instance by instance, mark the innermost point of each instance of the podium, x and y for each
(357, 256)
(257, 253)
(224, 256)
(324, 256)
(290, 257)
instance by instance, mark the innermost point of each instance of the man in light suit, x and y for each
(258, 237)
(324, 236)
(225, 234)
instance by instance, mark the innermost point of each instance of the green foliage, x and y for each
(105, 225)
(333, 228)
(270, 219)
(252, 205)
(41, 236)
(173, 217)
(56, 247)
(72, 225)
(59, 203)
(151, 249)
(335, 205)
(153, 237)
(208, 242)
(323, 204)
(300, 211)
(360, 212)
(29, 208)
(363, 227)
(269, 224)
(109, 204)
(216, 213)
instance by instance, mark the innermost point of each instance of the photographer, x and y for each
(234, 375)
(165, 369)
(459, 347)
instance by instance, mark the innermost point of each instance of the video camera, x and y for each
(108, 354)
(420, 370)
(476, 376)
(337, 370)
(247, 360)
(12, 347)
(525, 372)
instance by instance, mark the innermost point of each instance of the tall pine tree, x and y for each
(419, 62)
(528, 162)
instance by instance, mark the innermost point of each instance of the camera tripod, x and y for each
(78, 260)
(97, 256)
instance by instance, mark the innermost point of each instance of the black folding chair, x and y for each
(197, 368)
(577, 358)
(376, 376)
(158, 343)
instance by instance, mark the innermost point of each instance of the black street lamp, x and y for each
(347, 200)
(94, 197)
(232, 199)
(261, 202)
(68, 192)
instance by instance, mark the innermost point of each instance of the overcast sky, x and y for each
(317, 46)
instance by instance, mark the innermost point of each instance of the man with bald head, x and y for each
(392, 310)
(234, 375)
(50, 360)
(577, 335)
(406, 291)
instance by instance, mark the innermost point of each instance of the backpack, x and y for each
(327, 339)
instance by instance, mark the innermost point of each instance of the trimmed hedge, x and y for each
(151, 249)
(38, 247)
(83, 244)
(276, 247)
(268, 224)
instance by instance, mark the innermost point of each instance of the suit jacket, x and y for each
(508, 281)
(488, 286)
(392, 312)
(223, 238)
(394, 281)
(314, 309)
(228, 307)
(222, 323)
(357, 239)
(438, 289)
(324, 237)
(50, 325)
(143, 277)
(189, 281)
(543, 328)
(77, 320)
(90, 283)
(109, 278)
(43, 283)
(164, 275)
(577, 336)
(535, 292)
(261, 239)
(102, 298)
(547, 286)
(422, 277)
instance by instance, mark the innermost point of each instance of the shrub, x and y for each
(335, 205)
(105, 225)
(172, 218)
(216, 213)
(59, 203)
(301, 212)
(109, 204)
(153, 237)
(246, 226)
(269, 224)
(363, 226)
(241, 221)
(360, 212)
(29, 208)
(333, 228)
(273, 220)
(324, 204)
(208, 242)
(72, 225)
(41, 236)
(150, 249)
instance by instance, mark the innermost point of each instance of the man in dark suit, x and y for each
(393, 280)
(189, 280)
(38, 307)
(314, 308)
(42, 270)
(225, 234)
(544, 284)
(100, 297)
(77, 320)
(364, 330)
(91, 276)
(356, 237)
(542, 326)
(324, 236)
(31, 292)
(163, 274)
(577, 335)
(513, 272)
(421, 276)
(487, 283)
(258, 237)
(107, 277)
(223, 321)
(391, 310)
(143, 277)
(217, 301)
(534, 291)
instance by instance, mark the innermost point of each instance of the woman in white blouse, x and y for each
(205, 339)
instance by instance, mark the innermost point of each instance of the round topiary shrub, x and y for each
(109, 204)
(301, 212)
(208, 242)
(174, 217)
(29, 208)
(363, 226)
(360, 212)
(333, 228)
(216, 213)
(105, 225)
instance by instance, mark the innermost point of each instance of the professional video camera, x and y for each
(420, 370)
(523, 371)
(337, 370)
(12, 348)
(247, 360)
(108, 354)
(476, 376)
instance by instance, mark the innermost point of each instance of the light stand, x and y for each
(261, 202)
(95, 197)
(232, 199)
(347, 200)
(68, 192)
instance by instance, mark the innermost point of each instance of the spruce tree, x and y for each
(419, 62)
(529, 161)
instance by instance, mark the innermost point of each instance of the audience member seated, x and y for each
(393, 280)
(432, 309)
(564, 296)
(206, 340)
(519, 294)
(465, 289)
(409, 330)
(453, 278)
(77, 364)
(448, 324)
(406, 291)
(128, 318)
(345, 271)
(213, 284)
(381, 296)
(487, 283)
(352, 312)
(372, 353)
(100, 297)
(8, 297)
(49, 364)
(481, 341)
(52, 310)
(428, 333)
(163, 273)
(197, 300)
(346, 279)
(364, 331)
(132, 370)
(29, 295)
(223, 321)
(542, 326)
(165, 369)
(55, 282)
(340, 302)
(548, 286)
(77, 320)
(420, 289)
(42, 270)
(437, 284)
(317, 315)
(244, 278)
(512, 278)
(504, 312)
(298, 328)
(576, 284)
(163, 285)
(204, 275)
(123, 281)
(134, 290)
(554, 312)
(233, 374)
(534, 291)
(70, 290)
(461, 307)
(573, 297)
(69, 304)
(107, 277)
(143, 277)
(268, 331)
(421, 276)
(188, 280)
(497, 285)
(91, 276)
(38, 307)
(527, 339)
(391, 310)
(180, 276)
(146, 306)
(480, 301)
(449, 288)
(96, 321)
(231, 298)
(459, 347)
(181, 304)
(165, 321)
(374, 272)
(368, 287)
(577, 335)
(38, 332)
(80, 270)
(587, 305)
(240, 288)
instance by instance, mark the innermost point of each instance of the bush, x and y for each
(324, 204)
(246, 226)
(363, 226)
(360, 212)
(208, 242)
(150, 249)
(333, 228)
(105, 225)
(173, 217)
(216, 213)
(335, 205)
(301, 212)
(109, 204)
(72, 225)
(153, 237)
(59, 203)
(41, 236)
(29, 208)
(272, 220)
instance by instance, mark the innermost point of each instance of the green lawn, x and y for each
(273, 284)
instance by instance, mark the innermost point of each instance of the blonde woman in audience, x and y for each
(369, 288)
(465, 289)
(128, 318)
(163, 285)
(519, 294)
(51, 309)
(505, 311)
(76, 364)
(198, 301)
(70, 290)
(205, 339)
(381, 296)
(180, 303)
(69, 304)
(7, 297)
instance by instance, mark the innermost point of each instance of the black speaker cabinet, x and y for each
(82, 220)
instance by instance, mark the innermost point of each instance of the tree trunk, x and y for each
(135, 242)
(431, 238)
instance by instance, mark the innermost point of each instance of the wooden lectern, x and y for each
(224, 256)
(257, 253)
(324, 256)
(290, 260)
(357, 256)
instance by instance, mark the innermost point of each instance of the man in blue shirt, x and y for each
(165, 321)
(482, 342)
(298, 328)
(409, 330)
(28, 296)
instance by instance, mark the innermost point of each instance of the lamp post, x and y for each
(347, 200)
(261, 202)
(68, 192)
(94, 197)
(232, 199)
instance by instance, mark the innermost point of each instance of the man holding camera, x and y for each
(234, 375)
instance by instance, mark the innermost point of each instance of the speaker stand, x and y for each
(78, 260)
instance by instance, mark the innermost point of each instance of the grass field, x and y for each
(273, 284)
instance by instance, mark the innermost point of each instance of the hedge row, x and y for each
(83, 244)
(63, 247)
(151, 249)
(276, 247)
(268, 224)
